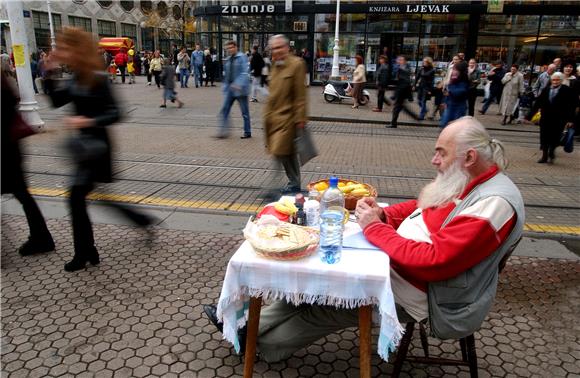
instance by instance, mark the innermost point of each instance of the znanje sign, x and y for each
(248, 9)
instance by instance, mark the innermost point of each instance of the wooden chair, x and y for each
(467, 344)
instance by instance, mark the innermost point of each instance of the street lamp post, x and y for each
(28, 104)
(335, 70)
(51, 26)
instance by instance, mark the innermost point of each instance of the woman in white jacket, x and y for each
(358, 81)
(513, 88)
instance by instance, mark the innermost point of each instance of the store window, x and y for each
(42, 28)
(406, 23)
(106, 28)
(445, 24)
(349, 22)
(81, 23)
(514, 24)
(285, 23)
(147, 39)
(127, 5)
(350, 45)
(507, 49)
(129, 30)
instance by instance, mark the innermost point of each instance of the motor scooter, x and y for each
(341, 90)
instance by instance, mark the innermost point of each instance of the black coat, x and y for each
(383, 76)
(555, 114)
(403, 89)
(256, 64)
(425, 78)
(11, 156)
(496, 86)
(98, 104)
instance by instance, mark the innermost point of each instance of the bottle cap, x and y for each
(333, 182)
(299, 199)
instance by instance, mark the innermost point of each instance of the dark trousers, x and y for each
(36, 222)
(291, 167)
(400, 98)
(122, 69)
(84, 242)
(493, 95)
(157, 75)
(381, 97)
(148, 76)
(471, 97)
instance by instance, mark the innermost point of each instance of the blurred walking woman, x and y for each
(95, 109)
(358, 81)
(156, 67)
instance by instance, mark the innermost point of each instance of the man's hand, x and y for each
(368, 211)
(78, 122)
(569, 125)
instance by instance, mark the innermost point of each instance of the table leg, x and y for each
(364, 324)
(252, 335)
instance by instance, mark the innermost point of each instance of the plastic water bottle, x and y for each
(331, 223)
(312, 210)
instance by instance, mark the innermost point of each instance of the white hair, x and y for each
(279, 36)
(473, 135)
(446, 187)
(557, 74)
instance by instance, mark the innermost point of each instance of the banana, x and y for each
(360, 192)
(285, 207)
(348, 188)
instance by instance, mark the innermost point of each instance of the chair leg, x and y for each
(403, 349)
(463, 349)
(471, 356)
(424, 341)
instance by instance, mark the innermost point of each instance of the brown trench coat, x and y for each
(286, 105)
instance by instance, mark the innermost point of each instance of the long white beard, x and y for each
(446, 187)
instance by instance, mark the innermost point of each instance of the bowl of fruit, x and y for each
(352, 190)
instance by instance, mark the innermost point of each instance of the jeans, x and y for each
(492, 96)
(422, 97)
(453, 112)
(225, 113)
(197, 70)
(157, 75)
(122, 69)
(184, 77)
(257, 86)
(471, 97)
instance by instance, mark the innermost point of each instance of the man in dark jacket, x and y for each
(403, 91)
(557, 104)
(256, 65)
(496, 87)
(382, 82)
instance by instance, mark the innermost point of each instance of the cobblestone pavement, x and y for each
(138, 314)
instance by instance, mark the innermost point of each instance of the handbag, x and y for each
(305, 148)
(567, 140)
(20, 128)
(86, 148)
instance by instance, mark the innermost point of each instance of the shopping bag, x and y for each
(567, 140)
(536, 117)
(305, 147)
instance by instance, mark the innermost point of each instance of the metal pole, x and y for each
(335, 71)
(52, 39)
(28, 104)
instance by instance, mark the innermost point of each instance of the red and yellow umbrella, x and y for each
(114, 45)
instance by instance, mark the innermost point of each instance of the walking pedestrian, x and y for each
(456, 94)
(265, 72)
(40, 240)
(256, 65)
(208, 68)
(453, 62)
(285, 114)
(438, 106)
(146, 66)
(424, 84)
(543, 81)
(568, 72)
(236, 86)
(121, 62)
(307, 56)
(382, 83)
(474, 76)
(155, 67)
(183, 62)
(131, 65)
(95, 109)
(402, 91)
(496, 87)
(513, 88)
(168, 81)
(557, 105)
(197, 62)
(359, 79)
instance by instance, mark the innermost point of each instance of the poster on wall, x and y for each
(371, 67)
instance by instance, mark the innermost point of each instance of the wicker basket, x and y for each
(349, 200)
(290, 254)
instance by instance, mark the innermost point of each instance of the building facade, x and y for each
(528, 33)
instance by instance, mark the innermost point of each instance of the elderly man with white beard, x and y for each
(444, 248)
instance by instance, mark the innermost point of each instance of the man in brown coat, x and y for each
(285, 111)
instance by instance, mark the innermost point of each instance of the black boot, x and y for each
(211, 313)
(551, 155)
(503, 121)
(36, 245)
(511, 119)
(80, 260)
(544, 158)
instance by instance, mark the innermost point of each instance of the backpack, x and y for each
(120, 59)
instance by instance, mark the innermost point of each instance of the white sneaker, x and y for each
(149, 83)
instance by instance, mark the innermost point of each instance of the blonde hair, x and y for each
(429, 60)
(86, 57)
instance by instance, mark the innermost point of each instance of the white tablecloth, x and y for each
(360, 278)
